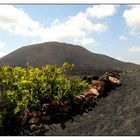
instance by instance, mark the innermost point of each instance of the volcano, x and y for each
(86, 62)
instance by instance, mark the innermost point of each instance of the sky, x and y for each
(112, 30)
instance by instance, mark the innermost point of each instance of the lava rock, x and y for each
(46, 127)
(39, 114)
(33, 127)
(24, 119)
(46, 118)
(34, 120)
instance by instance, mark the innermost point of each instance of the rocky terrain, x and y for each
(116, 114)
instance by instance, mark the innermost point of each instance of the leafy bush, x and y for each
(25, 89)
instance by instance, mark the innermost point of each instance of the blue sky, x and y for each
(113, 30)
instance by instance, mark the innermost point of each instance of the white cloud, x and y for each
(101, 11)
(132, 18)
(134, 49)
(87, 41)
(119, 58)
(122, 37)
(34, 41)
(17, 21)
(55, 21)
(78, 27)
(2, 44)
(2, 54)
(75, 27)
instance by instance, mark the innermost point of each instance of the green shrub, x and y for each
(25, 89)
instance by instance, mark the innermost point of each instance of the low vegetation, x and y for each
(26, 89)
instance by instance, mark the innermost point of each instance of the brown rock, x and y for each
(33, 113)
(34, 120)
(33, 127)
(24, 119)
(44, 113)
(56, 105)
(45, 106)
(114, 81)
(82, 106)
(46, 118)
(65, 109)
(102, 83)
(114, 74)
(18, 119)
(82, 96)
(94, 91)
(87, 100)
(66, 102)
(95, 97)
(78, 99)
(39, 114)
(46, 127)
(86, 94)
(99, 85)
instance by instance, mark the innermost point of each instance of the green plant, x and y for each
(25, 89)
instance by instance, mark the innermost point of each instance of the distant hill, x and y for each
(85, 61)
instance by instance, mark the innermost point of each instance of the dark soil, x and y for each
(117, 114)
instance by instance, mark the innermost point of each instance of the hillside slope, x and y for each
(57, 53)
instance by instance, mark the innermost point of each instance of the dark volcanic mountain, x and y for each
(85, 61)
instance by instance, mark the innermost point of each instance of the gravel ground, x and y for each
(117, 114)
